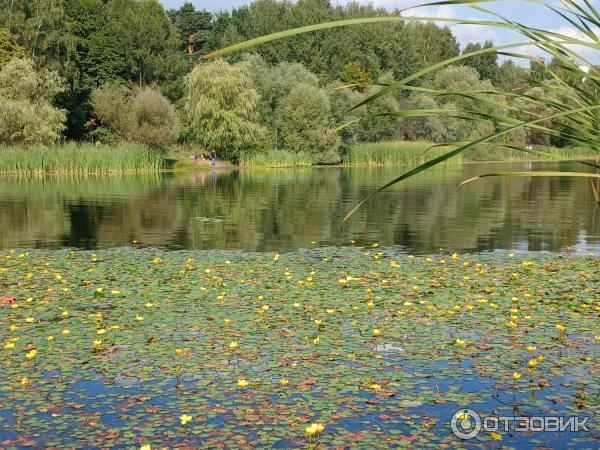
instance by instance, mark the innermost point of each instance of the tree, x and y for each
(354, 73)
(27, 115)
(445, 128)
(145, 34)
(8, 47)
(486, 64)
(375, 128)
(221, 105)
(304, 119)
(194, 27)
(511, 77)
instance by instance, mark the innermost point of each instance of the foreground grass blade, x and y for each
(533, 174)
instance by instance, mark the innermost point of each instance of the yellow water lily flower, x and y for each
(24, 382)
(100, 331)
(50, 338)
(532, 363)
(146, 446)
(375, 387)
(460, 342)
(463, 415)
(496, 436)
(284, 382)
(316, 340)
(597, 338)
(31, 354)
(184, 418)
(314, 428)
(242, 383)
(516, 376)
(66, 331)
(9, 345)
(531, 348)
(376, 331)
(233, 344)
(318, 322)
(561, 328)
(226, 320)
(30, 320)
(97, 342)
(139, 318)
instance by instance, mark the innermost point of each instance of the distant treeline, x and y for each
(129, 70)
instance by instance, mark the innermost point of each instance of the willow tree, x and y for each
(27, 115)
(221, 107)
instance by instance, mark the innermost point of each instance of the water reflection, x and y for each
(279, 210)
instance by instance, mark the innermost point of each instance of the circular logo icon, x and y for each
(465, 423)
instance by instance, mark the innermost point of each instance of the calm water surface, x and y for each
(280, 210)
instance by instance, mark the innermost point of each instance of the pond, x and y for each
(111, 348)
(270, 318)
(286, 209)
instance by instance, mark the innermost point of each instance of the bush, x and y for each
(27, 115)
(144, 116)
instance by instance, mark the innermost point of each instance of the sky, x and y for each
(526, 13)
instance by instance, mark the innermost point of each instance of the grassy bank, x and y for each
(404, 152)
(276, 158)
(79, 159)
(112, 348)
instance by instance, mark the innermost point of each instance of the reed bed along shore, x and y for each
(404, 152)
(75, 158)
(276, 158)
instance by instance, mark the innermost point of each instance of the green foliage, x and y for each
(446, 128)
(193, 27)
(79, 159)
(142, 115)
(303, 117)
(222, 108)
(8, 47)
(354, 73)
(26, 112)
(486, 64)
(512, 77)
(399, 48)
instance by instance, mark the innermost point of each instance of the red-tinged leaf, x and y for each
(355, 436)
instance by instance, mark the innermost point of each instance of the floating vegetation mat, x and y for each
(321, 348)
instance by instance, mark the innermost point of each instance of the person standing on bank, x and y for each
(213, 158)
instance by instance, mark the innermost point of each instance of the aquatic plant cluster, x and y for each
(322, 347)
